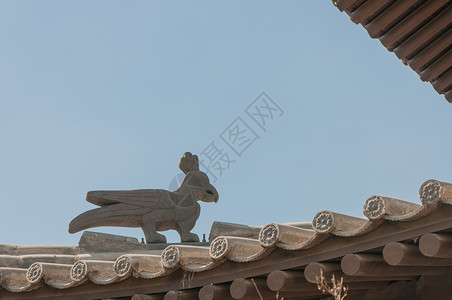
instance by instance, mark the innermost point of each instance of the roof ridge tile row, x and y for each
(197, 258)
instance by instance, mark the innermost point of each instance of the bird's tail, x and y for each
(120, 214)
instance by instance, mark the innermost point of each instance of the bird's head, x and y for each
(197, 180)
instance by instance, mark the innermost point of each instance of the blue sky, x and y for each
(110, 94)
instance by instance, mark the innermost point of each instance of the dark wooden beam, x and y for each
(365, 285)
(435, 287)
(182, 295)
(215, 292)
(400, 290)
(288, 281)
(312, 271)
(334, 247)
(400, 254)
(255, 288)
(436, 245)
(374, 265)
(146, 297)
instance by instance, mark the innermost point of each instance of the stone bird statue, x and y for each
(152, 209)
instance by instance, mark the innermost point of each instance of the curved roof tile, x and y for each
(27, 268)
(418, 32)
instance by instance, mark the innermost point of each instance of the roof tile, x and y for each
(418, 32)
(335, 236)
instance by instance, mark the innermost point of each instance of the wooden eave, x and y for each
(398, 241)
(334, 247)
(419, 32)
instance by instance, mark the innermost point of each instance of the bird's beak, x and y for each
(212, 194)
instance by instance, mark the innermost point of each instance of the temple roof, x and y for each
(419, 32)
(395, 241)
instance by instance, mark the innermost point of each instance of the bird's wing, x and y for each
(150, 198)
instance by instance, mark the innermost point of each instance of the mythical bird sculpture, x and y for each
(152, 209)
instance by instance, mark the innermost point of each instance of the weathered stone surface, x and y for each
(434, 191)
(100, 242)
(36, 249)
(377, 207)
(237, 249)
(79, 270)
(152, 209)
(231, 229)
(336, 223)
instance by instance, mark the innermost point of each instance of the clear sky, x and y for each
(110, 94)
